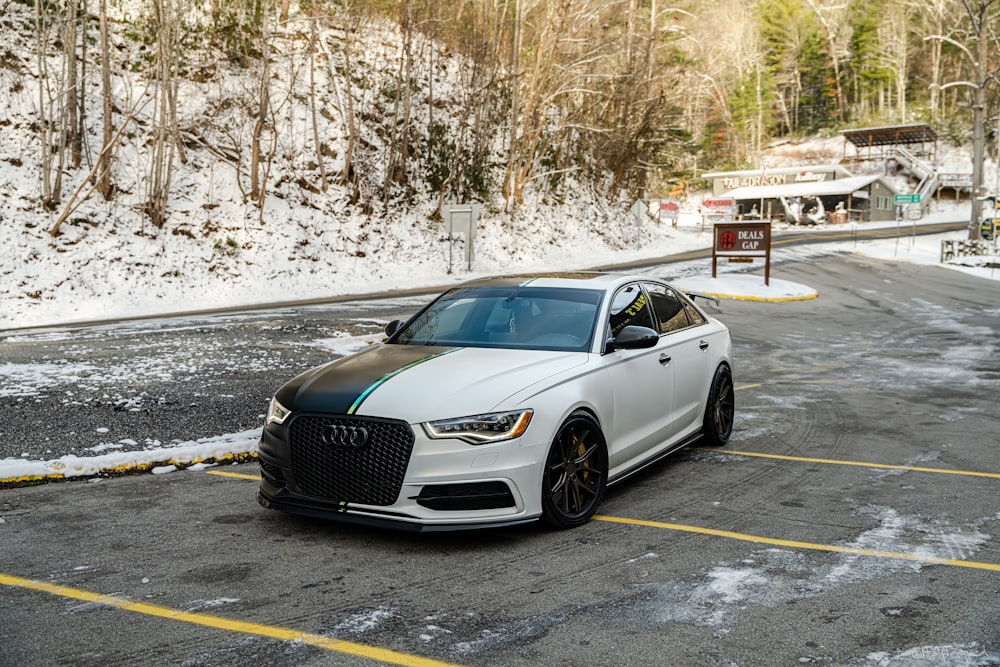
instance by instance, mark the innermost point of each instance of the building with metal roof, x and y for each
(876, 142)
(861, 198)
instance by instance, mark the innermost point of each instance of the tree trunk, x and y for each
(317, 145)
(161, 172)
(104, 158)
(257, 184)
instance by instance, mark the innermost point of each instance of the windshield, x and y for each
(536, 318)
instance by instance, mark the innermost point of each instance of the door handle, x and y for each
(664, 359)
(703, 345)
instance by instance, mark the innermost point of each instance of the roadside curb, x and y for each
(123, 470)
(764, 299)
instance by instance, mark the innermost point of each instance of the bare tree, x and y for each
(51, 110)
(351, 26)
(832, 18)
(553, 64)
(314, 19)
(894, 54)
(166, 22)
(398, 147)
(260, 122)
(73, 117)
(936, 16)
(104, 185)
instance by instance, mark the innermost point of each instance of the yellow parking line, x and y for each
(861, 464)
(995, 567)
(237, 475)
(219, 623)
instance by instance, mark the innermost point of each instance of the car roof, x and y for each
(578, 280)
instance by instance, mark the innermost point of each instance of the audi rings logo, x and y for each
(348, 436)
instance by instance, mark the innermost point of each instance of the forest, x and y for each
(476, 100)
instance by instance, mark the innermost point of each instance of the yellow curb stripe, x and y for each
(131, 468)
(231, 625)
(237, 475)
(861, 464)
(764, 299)
(792, 544)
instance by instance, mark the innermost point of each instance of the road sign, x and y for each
(906, 198)
(669, 210)
(743, 241)
(724, 207)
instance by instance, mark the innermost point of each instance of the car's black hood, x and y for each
(419, 383)
(339, 386)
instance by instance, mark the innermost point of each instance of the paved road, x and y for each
(801, 544)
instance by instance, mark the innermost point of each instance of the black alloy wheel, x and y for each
(576, 473)
(720, 410)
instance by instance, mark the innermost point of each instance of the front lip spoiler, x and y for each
(346, 515)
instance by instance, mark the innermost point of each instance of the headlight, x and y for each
(481, 429)
(277, 413)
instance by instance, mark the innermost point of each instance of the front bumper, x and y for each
(447, 485)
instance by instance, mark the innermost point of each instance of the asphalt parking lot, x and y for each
(852, 520)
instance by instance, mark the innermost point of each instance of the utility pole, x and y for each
(979, 124)
(981, 17)
(982, 14)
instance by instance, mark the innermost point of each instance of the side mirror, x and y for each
(633, 338)
(393, 327)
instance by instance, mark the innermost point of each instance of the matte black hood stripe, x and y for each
(341, 386)
(387, 376)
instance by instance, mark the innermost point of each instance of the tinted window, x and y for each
(630, 307)
(514, 317)
(694, 316)
(668, 306)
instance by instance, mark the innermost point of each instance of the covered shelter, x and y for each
(860, 198)
(882, 142)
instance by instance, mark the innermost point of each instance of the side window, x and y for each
(694, 316)
(630, 307)
(668, 306)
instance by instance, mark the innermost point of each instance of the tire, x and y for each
(720, 409)
(575, 474)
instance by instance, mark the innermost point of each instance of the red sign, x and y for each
(743, 241)
(669, 209)
(746, 239)
(719, 203)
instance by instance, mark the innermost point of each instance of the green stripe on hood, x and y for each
(340, 386)
(384, 378)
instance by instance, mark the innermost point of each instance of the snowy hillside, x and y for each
(219, 248)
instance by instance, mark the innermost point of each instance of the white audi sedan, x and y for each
(504, 400)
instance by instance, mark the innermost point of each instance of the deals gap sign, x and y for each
(743, 242)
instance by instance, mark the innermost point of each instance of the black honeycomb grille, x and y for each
(369, 474)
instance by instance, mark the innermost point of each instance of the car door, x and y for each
(642, 383)
(683, 336)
